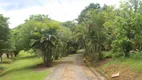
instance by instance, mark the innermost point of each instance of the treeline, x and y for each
(96, 29)
(111, 29)
(41, 35)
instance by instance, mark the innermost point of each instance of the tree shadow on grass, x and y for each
(8, 61)
(1, 69)
(5, 62)
(19, 69)
(14, 59)
(27, 57)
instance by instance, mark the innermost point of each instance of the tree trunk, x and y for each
(7, 55)
(16, 53)
(11, 54)
(99, 46)
(47, 55)
(56, 57)
(1, 58)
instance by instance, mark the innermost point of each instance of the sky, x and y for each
(60, 10)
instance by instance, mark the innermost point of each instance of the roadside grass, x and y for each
(134, 61)
(129, 68)
(23, 67)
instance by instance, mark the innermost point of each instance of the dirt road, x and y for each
(73, 68)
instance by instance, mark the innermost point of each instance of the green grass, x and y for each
(25, 75)
(135, 64)
(130, 68)
(22, 68)
(134, 61)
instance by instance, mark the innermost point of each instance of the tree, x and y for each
(65, 35)
(83, 15)
(22, 33)
(4, 34)
(39, 17)
(43, 40)
(93, 17)
(95, 31)
(70, 24)
(135, 4)
(43, 35)
(125, 25)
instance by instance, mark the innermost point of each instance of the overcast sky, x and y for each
(19, 10)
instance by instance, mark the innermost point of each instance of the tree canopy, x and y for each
(4, 34)
(97, 29)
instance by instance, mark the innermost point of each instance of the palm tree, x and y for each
(45, 43)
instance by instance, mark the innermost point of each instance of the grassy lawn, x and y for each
(129, 68)
(22, 67)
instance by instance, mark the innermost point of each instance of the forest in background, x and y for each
(97, 29)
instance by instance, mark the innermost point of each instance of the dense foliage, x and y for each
(46, 37)
(4, 35)
(96, 29)
(110, 28)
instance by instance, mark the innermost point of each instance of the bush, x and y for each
(136, 55)
(107, 54)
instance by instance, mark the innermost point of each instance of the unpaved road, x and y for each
(73, 68)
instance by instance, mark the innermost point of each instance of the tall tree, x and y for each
(4, 34)
(83, 15)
